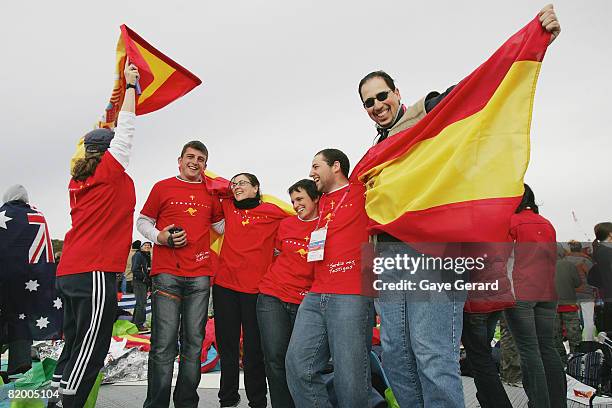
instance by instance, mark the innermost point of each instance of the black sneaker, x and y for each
(230, 404)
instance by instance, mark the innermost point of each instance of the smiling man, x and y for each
(334, 319)
(177, 217)
(421, 336)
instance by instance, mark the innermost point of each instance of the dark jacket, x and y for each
(141, 266)
(567, 279)
(600, 274)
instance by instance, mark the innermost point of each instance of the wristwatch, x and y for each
(128, 86)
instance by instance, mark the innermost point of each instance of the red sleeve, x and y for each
(217, 211)
(151, 207)
(278, 242)
(226, 206)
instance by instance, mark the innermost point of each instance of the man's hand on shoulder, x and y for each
(178, 240)
(549, 21)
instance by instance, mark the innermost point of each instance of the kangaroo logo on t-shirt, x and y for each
(191, 211)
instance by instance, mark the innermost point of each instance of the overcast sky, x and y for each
(279, 84)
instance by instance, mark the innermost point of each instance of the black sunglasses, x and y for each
(381, 97)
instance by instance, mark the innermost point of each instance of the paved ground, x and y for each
(114, 396)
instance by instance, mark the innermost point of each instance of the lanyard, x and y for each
(335, 209)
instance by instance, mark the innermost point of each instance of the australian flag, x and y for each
(29, 305)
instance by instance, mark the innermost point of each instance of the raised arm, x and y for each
(121, 145)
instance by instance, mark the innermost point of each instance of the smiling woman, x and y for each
(247, 251)
(284, 286)
(245, 186)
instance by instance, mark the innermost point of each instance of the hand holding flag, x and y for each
(549, 21)
(131, 74)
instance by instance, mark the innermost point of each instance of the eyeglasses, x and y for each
(241, 183)
(380, 97)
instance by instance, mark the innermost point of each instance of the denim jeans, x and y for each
(336, 326)
(532, 326)
(276, 319)
(140, 309)
(478, 331)
(123, 284)
(420, 335)
(178, 304)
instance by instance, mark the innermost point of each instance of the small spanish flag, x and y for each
(457, 175)
(161, 79)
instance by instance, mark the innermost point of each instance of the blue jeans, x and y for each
(336, 326)
(532, 326)
(123, 284)
(420, 335)
(276, 319)
(178, 303)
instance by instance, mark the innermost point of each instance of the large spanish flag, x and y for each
(457, 175)
(161, 79)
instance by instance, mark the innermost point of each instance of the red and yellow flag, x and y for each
(457, 175)
(161, 79)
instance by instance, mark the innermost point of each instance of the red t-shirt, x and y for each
(289, 277)
(248, 245)
(535, 257)
(190, 206)
(102, 211)
(340, 270)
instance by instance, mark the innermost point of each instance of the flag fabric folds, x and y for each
(30, 308)
(161, 79)
(457, 175)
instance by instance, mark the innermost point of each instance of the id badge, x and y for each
(316, 245)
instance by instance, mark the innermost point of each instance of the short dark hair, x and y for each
(376, 74)
(195, 144)
(309, 186)
(330, 156)
(253, 180)
(528, 201)
(575, 246)
(603, 230)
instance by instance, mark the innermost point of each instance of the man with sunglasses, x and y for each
(177, 218)
(424, 367)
